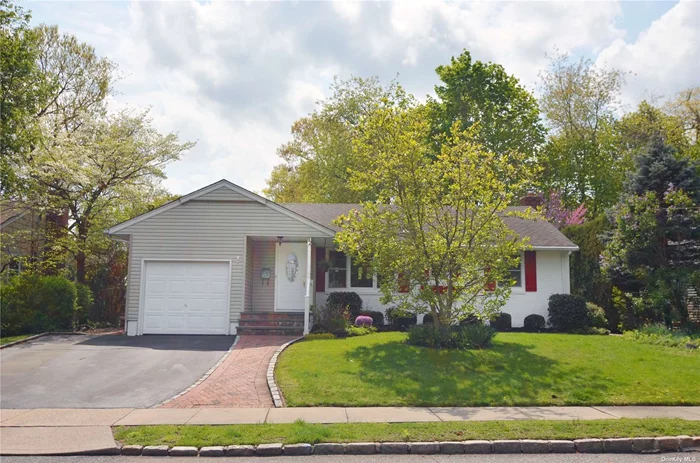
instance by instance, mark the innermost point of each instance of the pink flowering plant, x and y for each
(364, 320)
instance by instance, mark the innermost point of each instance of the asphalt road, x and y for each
(547, 458)
(107, 371)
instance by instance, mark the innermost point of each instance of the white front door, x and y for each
(290, 280)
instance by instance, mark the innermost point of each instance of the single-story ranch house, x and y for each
(223, 260)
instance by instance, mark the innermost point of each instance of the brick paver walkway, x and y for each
(240, 381)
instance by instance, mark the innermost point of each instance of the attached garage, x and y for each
(186, 297)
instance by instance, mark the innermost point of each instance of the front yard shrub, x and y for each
(401, 320)
(363, 320)
(427, 319)
(33, 303)
(451, 337)
(568, 312)
(338, 301)
(596, 315)
(84, 303)
(377, 317)
(534, 323)
(471, 319)
(312, 336)
(59, 299)
(502, 322)
(351, 330)
(591, 330)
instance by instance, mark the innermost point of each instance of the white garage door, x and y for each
(186, 297)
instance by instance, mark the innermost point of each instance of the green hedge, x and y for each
(568, 312)
(339, 300)
(33, 304)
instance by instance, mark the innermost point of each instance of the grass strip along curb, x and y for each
(301, 438)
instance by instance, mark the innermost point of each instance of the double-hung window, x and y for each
(337, 270)
(516, 274)
(343, 273)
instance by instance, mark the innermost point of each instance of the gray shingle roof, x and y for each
(541, 232)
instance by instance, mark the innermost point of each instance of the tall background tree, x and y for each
(473, 92)
(579, 102)
(317, 161)
(23, 92)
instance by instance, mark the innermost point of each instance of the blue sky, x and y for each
(234, 76)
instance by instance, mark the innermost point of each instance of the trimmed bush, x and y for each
(534, 322)
(359, 330)
(363, 320)
(428, 319)
(400, 319)
(568, 312)
(502, 322)
(339, 300)
(33, 304)
(377, 317)
(451, 337)
(312, 336)
(596, 315)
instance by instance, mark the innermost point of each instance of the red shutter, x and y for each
(403, 283)
(490, 285)
(320, 273)
(530, 271)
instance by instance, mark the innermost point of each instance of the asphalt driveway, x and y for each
(107, 371)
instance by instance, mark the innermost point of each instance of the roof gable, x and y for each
(223, 190)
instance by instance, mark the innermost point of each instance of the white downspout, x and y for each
(307, 297)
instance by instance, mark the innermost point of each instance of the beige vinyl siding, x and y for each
(263, 293)
(248, 304)
(205, 230)
(223, 194)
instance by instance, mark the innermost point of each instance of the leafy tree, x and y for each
(79, 80)
(99, 173)
(579, 102)
(635, 131)
(23, 91)
(49, 82)
(474, 92)
(654, 249)
(686, 107)
(434, 233)
(318, 159)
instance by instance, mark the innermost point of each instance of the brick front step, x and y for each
(272, 316)
(270, 331)
(273, 323)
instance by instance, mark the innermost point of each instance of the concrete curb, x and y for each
(204, 376)
(22, 341)
(48, 333)
(667, 444)
(275, 392)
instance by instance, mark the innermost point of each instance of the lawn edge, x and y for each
(275, 391)
(21, 341)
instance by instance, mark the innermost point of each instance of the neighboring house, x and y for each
(223, 260)
(21, 234)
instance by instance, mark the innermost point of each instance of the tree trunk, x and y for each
(80, 267)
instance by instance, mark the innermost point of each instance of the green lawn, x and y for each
(300, 432)
(520, 369)
(9, 339)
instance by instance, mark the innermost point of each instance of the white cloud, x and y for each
(235, 75)
(664, 59)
